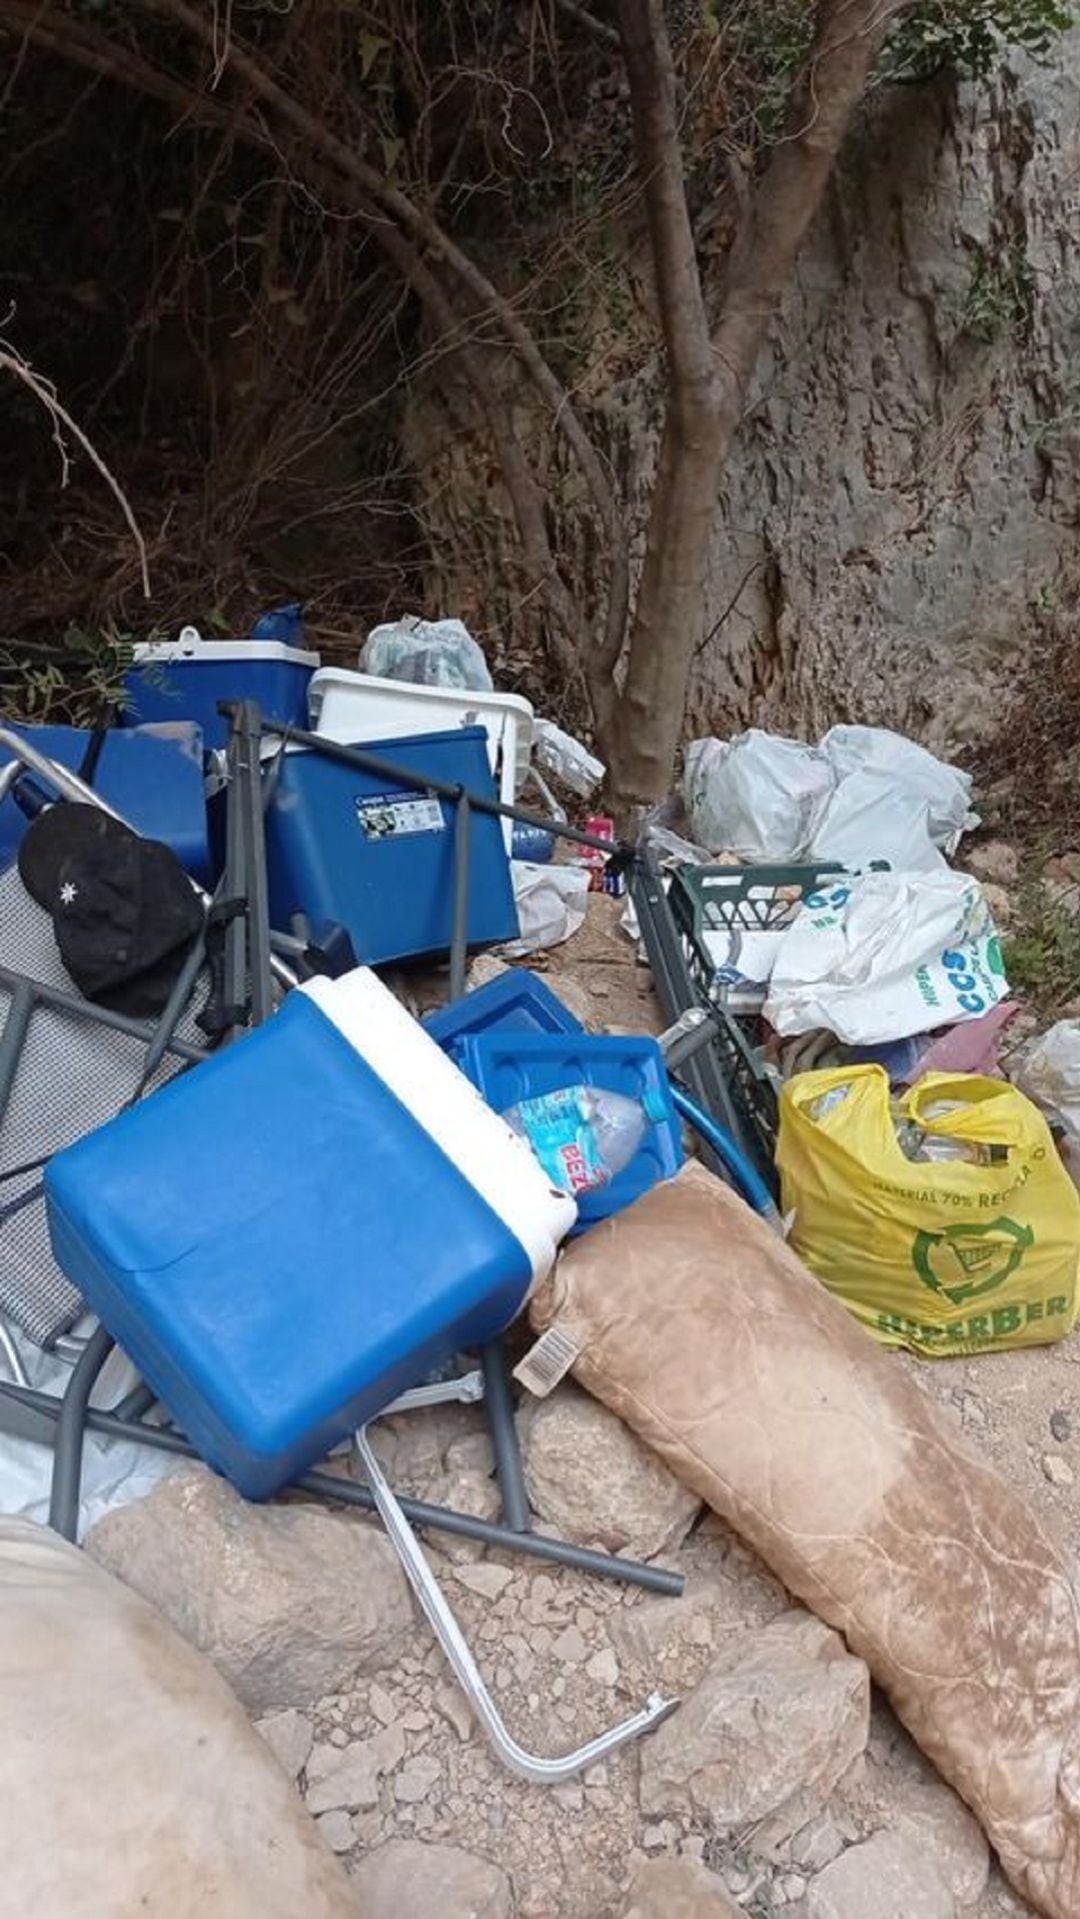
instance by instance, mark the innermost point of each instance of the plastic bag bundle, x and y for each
(970, 1246)
(758, 796)
(887, 956)
(910, 769)
(426, 653)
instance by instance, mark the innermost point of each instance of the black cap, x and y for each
(123, 910)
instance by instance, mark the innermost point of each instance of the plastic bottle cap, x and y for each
(654, 1106)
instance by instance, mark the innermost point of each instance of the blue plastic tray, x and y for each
(516, 1002)
(511, 1066)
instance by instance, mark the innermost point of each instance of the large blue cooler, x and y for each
(377, 856)
(184, 679)
(152, 775)
(289, 1235)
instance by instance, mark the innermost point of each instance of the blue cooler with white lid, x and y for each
(184, 679)
(285, 1238)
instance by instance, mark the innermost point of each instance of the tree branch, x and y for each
(11, 361)
(426, 231)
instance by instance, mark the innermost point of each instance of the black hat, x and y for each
(123, 910)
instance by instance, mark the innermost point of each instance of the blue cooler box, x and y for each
(378, 857)
(184, 679)
(152, 775)
(288, 1236)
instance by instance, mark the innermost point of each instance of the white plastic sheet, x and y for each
(426, 653)
(911, 770)
(759, 796)
(550, 904)
(565, 759)
(890, 955)
(1050, 1075)
(114, 1471)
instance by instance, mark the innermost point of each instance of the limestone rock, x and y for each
(593, 1480)
(768, 1732)
(678, 1889)
(350, 1781)
(407, 1879)
(995, 861)
(335, 1830)
(289, 1736)
(951, 1835)
(287, 1600)
(893, 1875)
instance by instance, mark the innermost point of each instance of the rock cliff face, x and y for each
(905, 485)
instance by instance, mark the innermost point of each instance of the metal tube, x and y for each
(504, 1438)
(248, 735)
(385, 769)
(16, 1027)
(436, 1609)
(69, 1002)
(70, 1427)
(459, 934)
(346, 1492)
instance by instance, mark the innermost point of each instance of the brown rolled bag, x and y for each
(699, 1328)
(130, 1779)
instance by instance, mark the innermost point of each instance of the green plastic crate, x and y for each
(719, 906)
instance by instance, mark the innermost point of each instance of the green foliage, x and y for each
(1042, 953)
(67, 683)
(997, 301)
(968, 37)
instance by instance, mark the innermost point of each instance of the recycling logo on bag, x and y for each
(964, 1261)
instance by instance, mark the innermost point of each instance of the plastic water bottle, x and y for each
(583, 1135)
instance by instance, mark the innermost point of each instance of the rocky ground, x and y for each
(783, 1786)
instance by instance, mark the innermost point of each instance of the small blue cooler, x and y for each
(289, 1235)
(377, 856)
(152, 775)
(184, 679)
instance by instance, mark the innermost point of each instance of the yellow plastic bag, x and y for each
(941, 1256)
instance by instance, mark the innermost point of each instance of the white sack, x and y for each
(892, 955)
(872, 817)
(550, 905)
(873, 749)
(758, 796)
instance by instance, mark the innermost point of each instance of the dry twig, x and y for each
(12, 361)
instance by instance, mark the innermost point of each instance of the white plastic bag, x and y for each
(1050, 1075)
(873, 749)
(870, 817)
(758, 796)
(890, 955)
(426, 653)
(550, 905)
(566, 759)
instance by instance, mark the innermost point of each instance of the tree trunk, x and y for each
(708, 378)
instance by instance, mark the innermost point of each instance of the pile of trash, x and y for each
(257, 1212)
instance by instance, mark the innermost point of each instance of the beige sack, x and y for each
(131, 1784)
(707, 1336)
